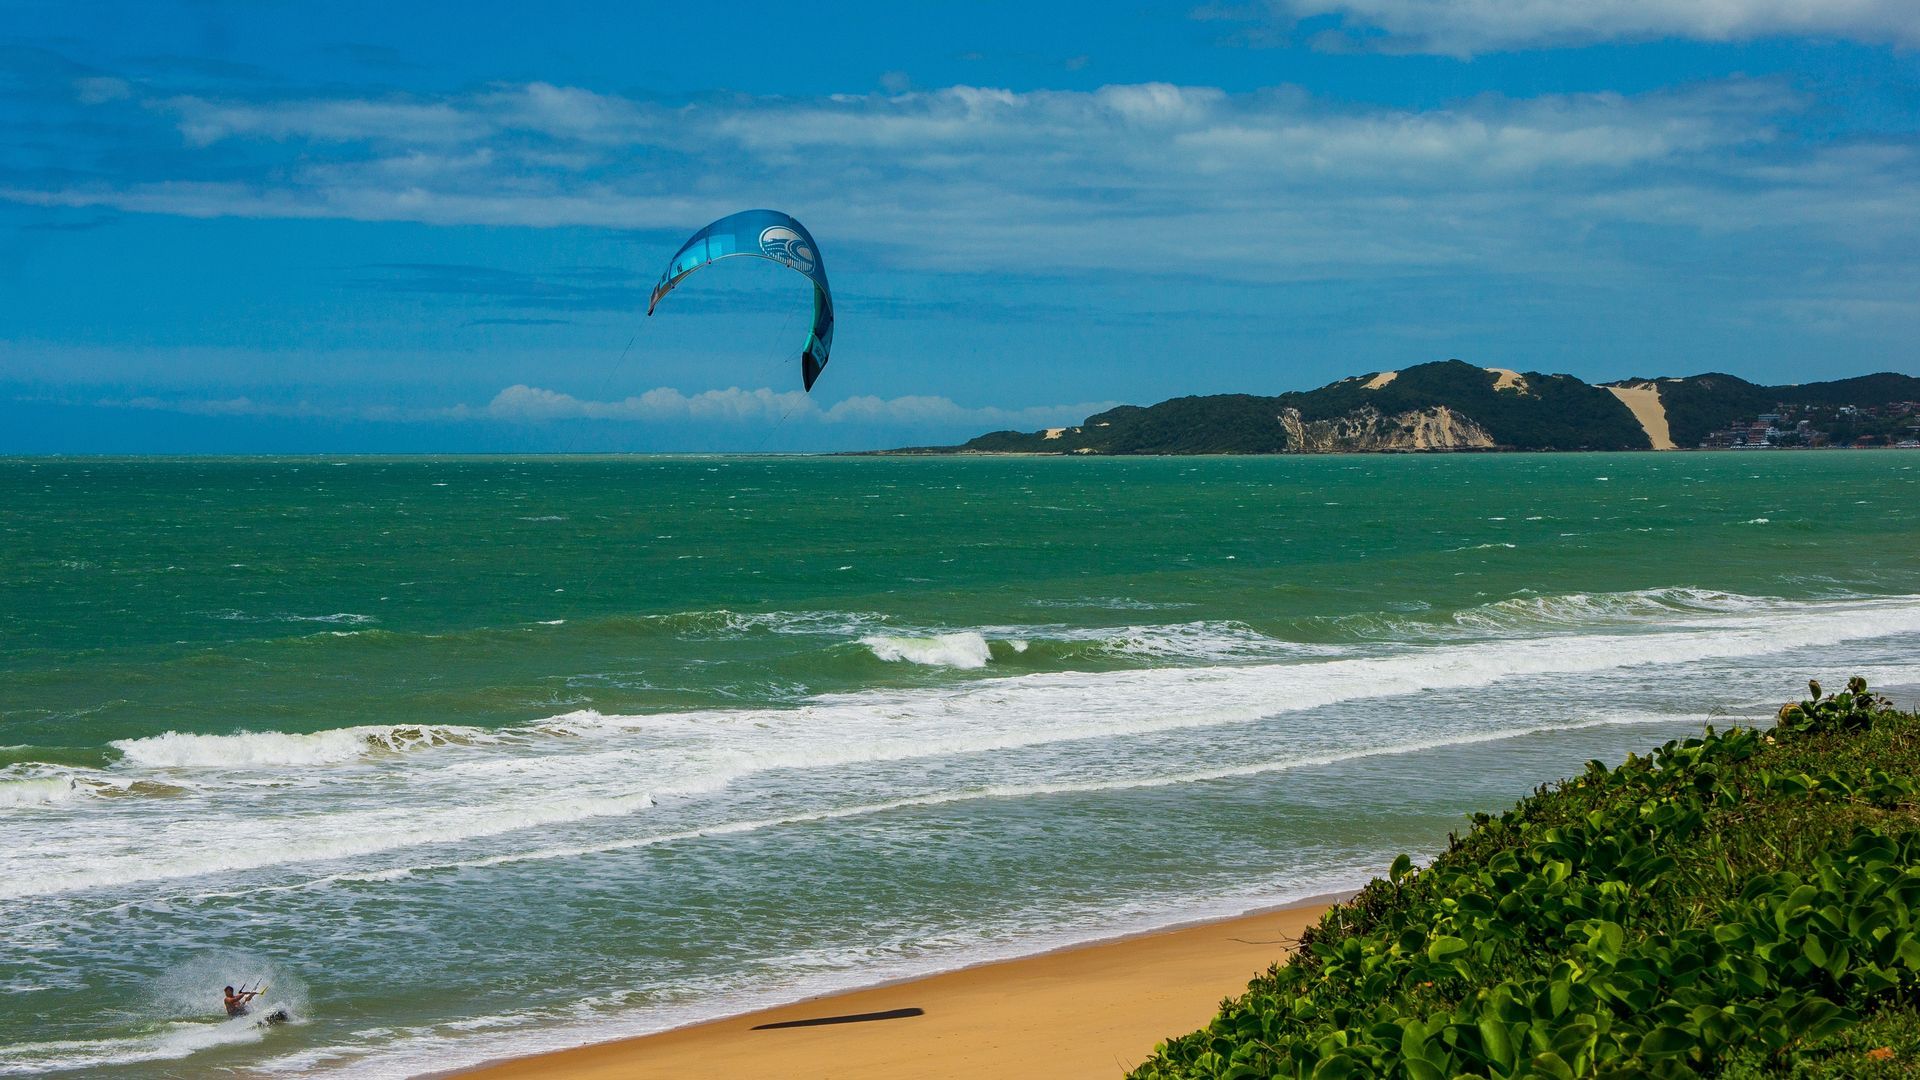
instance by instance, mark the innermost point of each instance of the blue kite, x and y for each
(766, 234)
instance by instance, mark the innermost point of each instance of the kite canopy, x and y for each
(765, 234)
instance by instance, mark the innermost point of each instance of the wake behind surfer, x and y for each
(237, 1001)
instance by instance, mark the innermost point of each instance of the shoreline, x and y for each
(1091, 1009)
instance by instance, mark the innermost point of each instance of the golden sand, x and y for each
(1091, 1011)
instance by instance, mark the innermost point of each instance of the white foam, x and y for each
(171, 1043)
(225, 846)
(1004, 791)
(612, 766)
(251, 749)
(38, 791)
(1209, 640)
(1663, 607)
(966, 649)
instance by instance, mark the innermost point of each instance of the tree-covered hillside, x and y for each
(1445, 405)
(1699, 404)
(1542, 412)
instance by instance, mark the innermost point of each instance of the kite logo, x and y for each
(783, 245)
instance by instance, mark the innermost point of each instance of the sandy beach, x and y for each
(1089, 1011)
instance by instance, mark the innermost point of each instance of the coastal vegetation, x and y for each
(1741, 904)
(1700, 405)
(1533, 412)
(1452, 405)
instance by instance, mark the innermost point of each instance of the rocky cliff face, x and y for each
(1367, 428)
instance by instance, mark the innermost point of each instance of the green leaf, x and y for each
(1606, 938)
(1477, 905)
(1553, 1065)
(1337, 1067)
(1573, 1037)
(1910, 951)
(1499, 1044)
(1559, 993)
(1817, 1018)
(1444, 946)
(1667, 1041)
(1401, 867)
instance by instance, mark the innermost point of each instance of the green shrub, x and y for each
(1746, 898)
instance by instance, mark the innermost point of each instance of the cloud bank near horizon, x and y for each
(523, 404)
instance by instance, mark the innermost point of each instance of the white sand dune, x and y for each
(1508, 379)
(1644, 400)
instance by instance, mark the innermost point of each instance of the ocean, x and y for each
(472, 757)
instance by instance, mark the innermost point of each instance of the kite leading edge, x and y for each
(765, 234)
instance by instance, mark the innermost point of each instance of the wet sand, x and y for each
(1090, 1011)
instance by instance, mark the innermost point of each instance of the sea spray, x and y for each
(965, 650)
(176, 1014)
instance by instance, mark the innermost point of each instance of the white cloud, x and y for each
(1465, 27)
(1269, 185)
(522, 404)
(734, 405)
(205, 122)
(236, 406)
(98, 90)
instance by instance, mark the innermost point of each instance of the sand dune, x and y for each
(1644, 400)
(1508, 379)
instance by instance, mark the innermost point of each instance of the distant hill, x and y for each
(1700, 404)
(1445, 405)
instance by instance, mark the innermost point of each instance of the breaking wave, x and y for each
(38, 791)
(1639, 609)
(966, 650)
(250, 749)
(526, 778)
(1041, 646)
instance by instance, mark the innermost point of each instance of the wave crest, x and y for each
(243, 749)
(38, 791)
(966, 650)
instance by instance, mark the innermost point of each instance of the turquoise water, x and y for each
(469, 757)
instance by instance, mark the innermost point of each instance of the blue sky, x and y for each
(284, 227)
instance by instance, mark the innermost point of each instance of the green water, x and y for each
(702, 732)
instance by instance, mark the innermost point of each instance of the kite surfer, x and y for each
(237, 1000)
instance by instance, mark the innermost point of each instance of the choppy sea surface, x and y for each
(472, 757)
